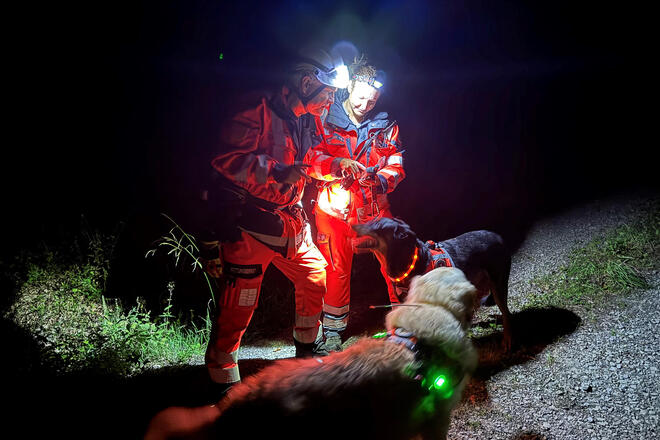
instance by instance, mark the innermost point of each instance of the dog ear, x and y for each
(402, 231)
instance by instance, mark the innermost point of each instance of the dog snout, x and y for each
(363, 244)
(361, 229)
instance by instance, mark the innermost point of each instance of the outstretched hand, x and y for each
(293, 173)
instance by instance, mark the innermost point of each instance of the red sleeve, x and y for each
(241, 161)
(391, 172)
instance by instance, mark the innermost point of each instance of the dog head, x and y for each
(438, 311)
(444, 296)
(390, 239)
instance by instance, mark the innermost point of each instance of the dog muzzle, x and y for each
(364, 244)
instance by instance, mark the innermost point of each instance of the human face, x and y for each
(323, 100)
(362, 98)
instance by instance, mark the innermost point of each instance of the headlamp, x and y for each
(439, 382)
(376, 82)
(337, 77)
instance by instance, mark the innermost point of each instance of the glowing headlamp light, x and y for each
(337, 77)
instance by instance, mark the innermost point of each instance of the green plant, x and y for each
(182, 246)
(143, 341)
(609, 265)
(60, 300)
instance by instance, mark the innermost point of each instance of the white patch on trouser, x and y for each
(247, 297)
(219, 374)
(335, 318)
(306, 328)
(336, 310)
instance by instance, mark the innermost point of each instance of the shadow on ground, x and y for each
(535, 329)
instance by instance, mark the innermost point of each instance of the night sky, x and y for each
(508, 110)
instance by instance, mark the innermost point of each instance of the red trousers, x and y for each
(238, 299)
(334, 240)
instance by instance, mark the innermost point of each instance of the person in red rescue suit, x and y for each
(358, 165)
(266, 153)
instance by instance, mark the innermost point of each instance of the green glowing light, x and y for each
(439, 382)
(221, 55)
(379, 335)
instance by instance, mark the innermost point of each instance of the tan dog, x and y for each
(401, 386)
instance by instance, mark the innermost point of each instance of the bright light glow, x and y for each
(378, 84)
(334, 198)
(439, 382)
(410, 269)
(342, 78)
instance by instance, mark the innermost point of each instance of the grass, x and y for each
(60, 301)
(611, 265)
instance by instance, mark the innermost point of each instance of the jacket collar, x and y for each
(277, 103)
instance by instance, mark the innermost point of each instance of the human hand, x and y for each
(369, 177)
(291, 174)
(368, 180)
(209, 258)
(353, 167)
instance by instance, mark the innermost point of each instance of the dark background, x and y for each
(508, 110)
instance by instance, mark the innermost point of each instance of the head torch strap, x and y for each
(377, 82)
(306, 99)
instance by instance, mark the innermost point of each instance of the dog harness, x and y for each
(441, 378)
(439, 258)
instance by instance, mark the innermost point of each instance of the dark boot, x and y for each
(333, 340)
(312, 349)
(217, 391)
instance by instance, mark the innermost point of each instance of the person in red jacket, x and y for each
(266, 150)
(358, 165)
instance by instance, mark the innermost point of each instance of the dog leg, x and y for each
(497, 287)
(500, 292)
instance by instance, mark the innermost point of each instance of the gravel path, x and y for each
(600, 381)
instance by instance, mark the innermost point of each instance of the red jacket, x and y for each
(344, 140)
(266, 136)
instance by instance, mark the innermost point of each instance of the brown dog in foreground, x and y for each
(481, 255)
(399, 386)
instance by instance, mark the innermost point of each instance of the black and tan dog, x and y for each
(399, 386)
(481, 255)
